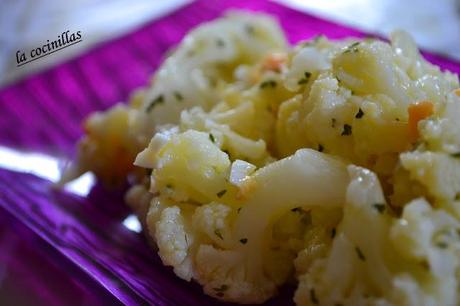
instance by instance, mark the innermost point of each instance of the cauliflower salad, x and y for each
(330, 165)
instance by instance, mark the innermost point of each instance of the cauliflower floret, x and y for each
(438, 172)
(108, 142)
(429, 238)
(237, 260)
(173, 239)
(208, 55)
(223, 136)
(408, 261)
(191, 166)
(239, 171)
(344, 275)
(443, 133)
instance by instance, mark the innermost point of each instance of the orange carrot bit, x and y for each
(418, 111)
(457, 92)
(274, 61)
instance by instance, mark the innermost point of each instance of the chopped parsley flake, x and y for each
(220, 43)
(218, 234)
(178, 96)
(360, 254)
(221, 193)
(297, 209)
(305, 79)
(333, 120)
(380, 207)
(360, 114)
(442, 245)
(268, 84)
(425, 264)
(221, 288)
(211, 137)
(353, 48)
(157, 100)
(238, 210)
(244, 240)
(249, 28)
(320, 148)
(456, 155)
(346, 130)
(313, 297)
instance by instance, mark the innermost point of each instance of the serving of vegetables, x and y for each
(334, 165)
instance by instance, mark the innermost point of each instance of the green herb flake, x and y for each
(346, 130)
(268, 84)
(211, 137)
(305, 79)
(455, 155)
(353, 48)
(220, 43)
(333, 232)
(221, 193)
(320, 148)
(238, 210)
(249, 28)
(313, 297)
(360, 114)
(317, 38)
(297, 209)
(425, 265)
(222, 288)
(157, 100)
(380, 207)
(218, 234)
(244, 240)
(333, 121)
(360, 254)
(442, 245)
(178, 96)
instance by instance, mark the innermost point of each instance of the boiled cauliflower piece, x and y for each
(228, 244)
(443, 133)
(108, 142)
(438, 172)
(173, 239)
(191, 166)
(207, 55)
(412, 260)
(189, 77)
(343, 276)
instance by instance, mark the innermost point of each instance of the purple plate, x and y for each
(63, 247)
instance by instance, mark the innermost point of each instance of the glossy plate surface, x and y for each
(84, 235)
